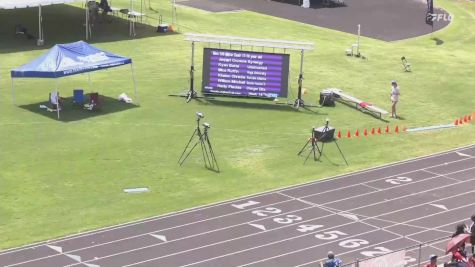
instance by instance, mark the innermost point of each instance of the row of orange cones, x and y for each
(464, 119)
(373, 131)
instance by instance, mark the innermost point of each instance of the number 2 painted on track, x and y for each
(270, 210)
(398, 180)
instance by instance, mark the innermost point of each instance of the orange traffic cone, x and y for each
(348, 134)
(379, 130)
(339, 135)
(460, 121)
(365, 132)
(465, 118)
(372, 131)
(397, 129)
(357, 133)
(387, 129)
(456, 122)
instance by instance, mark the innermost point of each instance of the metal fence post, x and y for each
(357, 263)
(420, 255)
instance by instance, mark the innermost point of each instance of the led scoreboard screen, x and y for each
(243, 73)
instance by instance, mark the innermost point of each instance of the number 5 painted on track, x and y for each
(330, 235)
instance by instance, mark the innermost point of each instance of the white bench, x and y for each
(359, 104)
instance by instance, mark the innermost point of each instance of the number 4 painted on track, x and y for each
(308, 227)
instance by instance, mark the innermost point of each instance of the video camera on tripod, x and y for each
(201, 137)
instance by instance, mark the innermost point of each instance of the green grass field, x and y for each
(64, 177)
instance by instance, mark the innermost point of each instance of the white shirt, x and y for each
(395, 93)
(54, 97)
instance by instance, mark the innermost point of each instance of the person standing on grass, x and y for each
(395, 93)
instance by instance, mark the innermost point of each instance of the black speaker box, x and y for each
(324, 134)
(326, 99)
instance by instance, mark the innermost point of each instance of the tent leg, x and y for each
(58, 105)
(87, 23)
(135, 84)
(13, 92)
(40, 40)
(89, 81)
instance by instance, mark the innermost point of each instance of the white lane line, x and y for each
(338, 211)
(440, 206)
(408, 237)
(463, 155)
(319, 206)
(359, 248)
(160, 237)
(56, 248)
(401, 185)
(372, 187)
(380, 179)
(443, 175)
(258, 226)
(155, 231)
(244, 250)
(283, 240)
(206, 206)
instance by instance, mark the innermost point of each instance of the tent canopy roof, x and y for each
(11, 4)
(69, 59)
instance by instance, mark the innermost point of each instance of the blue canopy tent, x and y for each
(70, 59)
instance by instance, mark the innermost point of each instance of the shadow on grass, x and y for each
(265, 104)
(65, 24)
(72, 112)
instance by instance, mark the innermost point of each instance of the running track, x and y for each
(356, 215)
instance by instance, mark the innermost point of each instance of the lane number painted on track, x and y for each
(398, 180)
(267, 211)
(308, 227)
(245, 204)
(330, 235)
(377, 251)
(353, 243)
(288, 219)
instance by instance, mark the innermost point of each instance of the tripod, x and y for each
(312, 144)
(206, 148)
(323, 138)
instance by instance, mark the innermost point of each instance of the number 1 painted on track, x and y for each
(246, 204)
